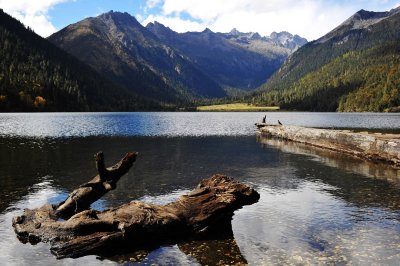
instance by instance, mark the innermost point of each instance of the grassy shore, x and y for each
(236, 107)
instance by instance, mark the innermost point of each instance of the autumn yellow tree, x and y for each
(39, 102)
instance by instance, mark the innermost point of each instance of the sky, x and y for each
(308, 18)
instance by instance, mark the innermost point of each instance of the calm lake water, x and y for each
(316, 207)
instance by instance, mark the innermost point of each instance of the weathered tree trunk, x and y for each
(81, 198)
(204, 212)
(376, 147)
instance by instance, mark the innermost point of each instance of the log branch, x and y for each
(100, 166)
(204, 213)
(81, 198)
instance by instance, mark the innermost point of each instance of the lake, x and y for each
(316, 207)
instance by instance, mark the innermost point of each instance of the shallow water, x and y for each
(316, 207)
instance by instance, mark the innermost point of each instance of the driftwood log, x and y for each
(376, 147)
(74, 230)
(81, 198)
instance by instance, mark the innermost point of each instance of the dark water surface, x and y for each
(316, 207)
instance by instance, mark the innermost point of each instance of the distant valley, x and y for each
(234, 60)
(113, 63)
(170, 67)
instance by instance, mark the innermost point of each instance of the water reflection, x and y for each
(381, 189)
(309, 226)
(314, 208)
(163, 165)
(214, 252)
(222, 250)
(196, 252)
(337, 160)
(12, 251)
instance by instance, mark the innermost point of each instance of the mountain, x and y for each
(277, 44)
(355, 67)
(35, 75)
(170, 67)
(121, 49)
(232, 59)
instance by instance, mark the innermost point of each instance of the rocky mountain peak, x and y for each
(160, 30)
(368, 15)
(207, 30)
(395, 10)
(288, 40)
(156, 26)
(234, 32)
(248, 35)
(254, 36)
(362, 19)
(120, 18)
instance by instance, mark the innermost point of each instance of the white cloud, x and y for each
(152, 3)
(396, 5)
(33, 13)
(308, 18)
(175, 23)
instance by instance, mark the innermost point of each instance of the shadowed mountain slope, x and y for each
(35, 75)
(120, 48)
(234, 60)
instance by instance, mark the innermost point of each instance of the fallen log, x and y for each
(376, 147)
(203, 213)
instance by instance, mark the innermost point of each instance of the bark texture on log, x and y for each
(371, 146)
(204, 212)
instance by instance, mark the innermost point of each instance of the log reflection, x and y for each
(203, 252)
(338, 160)
(214, 252)
(363, 183)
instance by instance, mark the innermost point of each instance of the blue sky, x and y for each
(308, 18)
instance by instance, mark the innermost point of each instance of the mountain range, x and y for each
(113, 63)
(172, 67)
(234, 60)
(355, 67)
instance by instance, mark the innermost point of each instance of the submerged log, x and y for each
(204, 212)
(372, 146)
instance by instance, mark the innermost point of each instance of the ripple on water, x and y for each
(309, 226)
(311, 211)
(42, 125)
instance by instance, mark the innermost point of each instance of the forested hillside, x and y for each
(353, 68)
(366, 80)
(37, 76)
